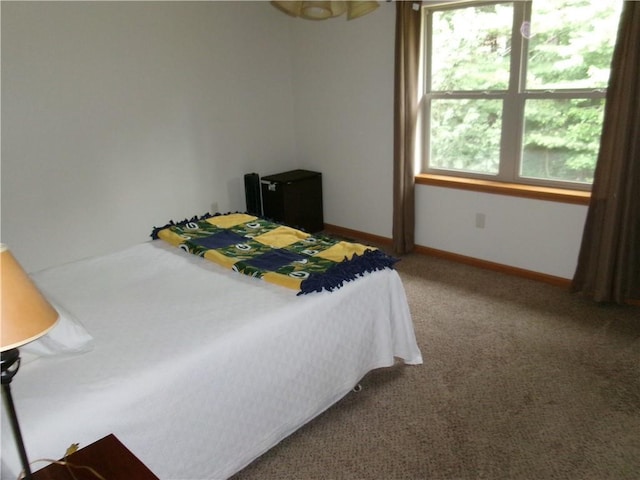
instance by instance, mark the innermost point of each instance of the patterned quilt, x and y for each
(272, 252)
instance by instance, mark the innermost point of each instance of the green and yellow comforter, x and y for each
(275, 253)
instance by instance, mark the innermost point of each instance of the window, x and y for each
(515, 91)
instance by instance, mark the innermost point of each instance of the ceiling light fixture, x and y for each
(317, 10)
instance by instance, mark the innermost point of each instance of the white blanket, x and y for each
(199, 370)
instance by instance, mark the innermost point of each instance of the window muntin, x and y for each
(529, 108)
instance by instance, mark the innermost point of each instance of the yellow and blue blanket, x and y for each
(275, 253)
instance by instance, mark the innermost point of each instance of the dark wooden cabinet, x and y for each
(294, 198)
(108, 457)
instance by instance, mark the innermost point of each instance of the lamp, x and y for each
(290, 8)
(317, 10)
(26, 316)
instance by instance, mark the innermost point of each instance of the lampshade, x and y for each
(288, 7)
(320, 10)
(338, 8)
(26, 314)
(316, 10)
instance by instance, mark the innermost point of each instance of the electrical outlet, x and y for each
(480, 220)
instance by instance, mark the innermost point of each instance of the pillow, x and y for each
(67, 336)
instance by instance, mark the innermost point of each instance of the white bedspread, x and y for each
(196, 369)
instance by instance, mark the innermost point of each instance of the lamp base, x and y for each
(9, 365)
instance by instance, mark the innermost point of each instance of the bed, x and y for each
(196, 368)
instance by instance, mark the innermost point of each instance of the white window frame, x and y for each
(513, 98)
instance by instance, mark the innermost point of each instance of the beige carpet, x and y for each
(521, 380)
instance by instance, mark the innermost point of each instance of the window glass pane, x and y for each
(465, 135)
(571, 42)
(471, 48)
(561, 139)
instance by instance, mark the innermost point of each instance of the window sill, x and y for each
(501, 188)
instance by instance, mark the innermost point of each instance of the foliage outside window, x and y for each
(515, 91)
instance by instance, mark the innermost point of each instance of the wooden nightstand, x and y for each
(108, 456)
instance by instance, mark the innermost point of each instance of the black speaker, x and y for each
(252, 194)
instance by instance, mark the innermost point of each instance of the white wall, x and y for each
(535, 235)
(118, 116)
(343, 83)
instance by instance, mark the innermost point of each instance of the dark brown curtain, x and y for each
(609, 261)
(407, 59)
